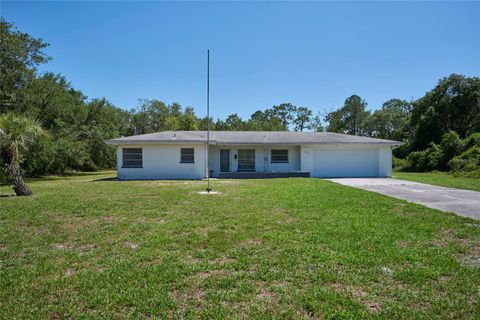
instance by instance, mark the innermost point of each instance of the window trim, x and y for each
(187, 161)
(279, 161)
(135, 166)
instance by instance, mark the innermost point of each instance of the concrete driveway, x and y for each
(462, 202)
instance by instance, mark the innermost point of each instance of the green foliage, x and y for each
(17, 134)
(351, 118)
(316, 124)
(234, 122)
(265, 121)
(285, 112)
(472, 141)
(426, 160)
(20, 54)
(398, 163)
(391, 121)
(277, 118)
(451, 145)
(454, 104)
(302, 118)
(57, 156)
(452, 153)
(52, 100)
(469, 160)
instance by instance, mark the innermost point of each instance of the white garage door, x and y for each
(345, 163)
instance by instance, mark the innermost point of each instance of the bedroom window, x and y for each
(132, 158)
(187, 155)
(279, 156)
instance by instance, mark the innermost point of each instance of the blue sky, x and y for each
(309, 54)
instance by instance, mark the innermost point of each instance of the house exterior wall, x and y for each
(385, 162)
(163, 162)
(358, 160)
(262, 158)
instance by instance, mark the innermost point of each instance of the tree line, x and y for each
(76, 127)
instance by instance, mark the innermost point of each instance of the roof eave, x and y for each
(114, 142)
(123, 142)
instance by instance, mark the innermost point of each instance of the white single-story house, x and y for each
(256, 154)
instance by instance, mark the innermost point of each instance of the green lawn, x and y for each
(281, 248)
(440, 179)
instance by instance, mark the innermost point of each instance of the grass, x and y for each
(86, 248)
(441, 179)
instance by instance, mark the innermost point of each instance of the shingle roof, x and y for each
(249, 137)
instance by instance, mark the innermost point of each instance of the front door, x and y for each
(224, 160)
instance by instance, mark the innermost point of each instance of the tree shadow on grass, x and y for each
(7, 195)
(64, 176)
(105, 179)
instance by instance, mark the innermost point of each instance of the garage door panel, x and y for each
(345, 163)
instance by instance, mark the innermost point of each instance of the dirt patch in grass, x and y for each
(360, 294)
(265, 295)
(194, 293)
(73, 246)
(64, 246)
(472, 256)
(132, 245)
(448, 238)
(207, 274)
(69, 272)
(444, 239)
(185, 298)
(204, 231)
(252, 243)
(402, 244)
(223, 260)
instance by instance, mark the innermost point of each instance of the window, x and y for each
(279, 156)
(187, 155)
(132, 158)
(246, 159)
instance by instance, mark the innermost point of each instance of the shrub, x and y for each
(426, 160)
(468, 161)
(451, 146)
(472, 141)
(448, 155)
(55, 156)
(399, 164)
(402, 151)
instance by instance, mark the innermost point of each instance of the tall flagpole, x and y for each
(208, 118)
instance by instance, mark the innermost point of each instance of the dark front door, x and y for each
(224, 160)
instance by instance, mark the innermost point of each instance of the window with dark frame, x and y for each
(132, 158)
(187, 155)
(279, 156)
(246, 160)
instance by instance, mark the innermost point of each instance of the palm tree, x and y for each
(17, 134)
